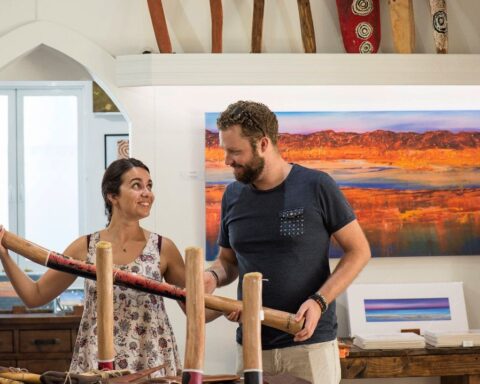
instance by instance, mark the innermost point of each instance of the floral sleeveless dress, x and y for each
(142, 332)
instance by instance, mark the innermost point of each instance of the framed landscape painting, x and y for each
(412, 177)
(390, 308)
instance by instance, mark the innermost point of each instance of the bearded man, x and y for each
(278, 219)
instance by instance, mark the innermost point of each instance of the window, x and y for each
(4, 190)
(40, 166)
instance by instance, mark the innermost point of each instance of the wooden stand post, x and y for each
(251, 323)
(106, 349)
(195, 310)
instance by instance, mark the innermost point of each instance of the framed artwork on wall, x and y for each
(116, 147)
(412, 177)
(390, 308)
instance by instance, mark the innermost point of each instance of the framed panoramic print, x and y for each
(411, 176)
(390, 308)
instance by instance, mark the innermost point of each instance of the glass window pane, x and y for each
(4, 213)
(51, 194)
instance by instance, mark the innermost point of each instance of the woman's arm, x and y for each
(174, 272)
(50, 284)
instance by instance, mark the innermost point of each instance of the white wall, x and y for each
(177, 147)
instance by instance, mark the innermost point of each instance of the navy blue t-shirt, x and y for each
(284, 233)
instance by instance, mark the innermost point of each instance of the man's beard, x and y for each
(251, 170)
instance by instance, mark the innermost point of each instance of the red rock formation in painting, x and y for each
(406, 149)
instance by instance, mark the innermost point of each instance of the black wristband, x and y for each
(321, 301)
(215, 275)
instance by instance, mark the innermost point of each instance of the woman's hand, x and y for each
(3, 251)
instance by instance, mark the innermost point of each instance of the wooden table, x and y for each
(454, 365)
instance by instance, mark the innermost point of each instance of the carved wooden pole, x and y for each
(159, 24)
(438, 9)
(403, 25)
(257, 25)
(216, 12)
(306, 26)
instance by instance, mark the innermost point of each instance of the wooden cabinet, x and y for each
(37, 342)
(454, 365)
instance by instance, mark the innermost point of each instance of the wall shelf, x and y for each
(297, 69)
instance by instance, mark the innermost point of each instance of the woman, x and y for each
(142, 332)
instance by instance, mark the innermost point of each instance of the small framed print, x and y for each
(390, 308)
(116, 147)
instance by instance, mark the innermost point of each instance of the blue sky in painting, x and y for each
(418, 309)
(395, 121)
(432, 302)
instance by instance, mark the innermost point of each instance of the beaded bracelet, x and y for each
(321, 301)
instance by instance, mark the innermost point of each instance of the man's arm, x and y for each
(224, 268)
(356, 255)
(223, 271)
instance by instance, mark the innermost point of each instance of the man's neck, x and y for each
(274, 173)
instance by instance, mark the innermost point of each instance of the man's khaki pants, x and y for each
(318, 363)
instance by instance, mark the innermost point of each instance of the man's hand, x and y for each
(312, 313)
(235, 316)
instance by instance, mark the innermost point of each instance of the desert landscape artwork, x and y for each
(412, 177)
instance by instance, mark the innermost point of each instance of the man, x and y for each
(277, 219)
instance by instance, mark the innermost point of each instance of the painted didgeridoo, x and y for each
(195, 310)
(251, 324)
(360, 25)
(438, 9)
(280, 320)
(104, 263)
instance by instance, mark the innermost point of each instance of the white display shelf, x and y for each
(297, 69)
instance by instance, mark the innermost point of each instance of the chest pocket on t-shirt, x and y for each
(291, 222)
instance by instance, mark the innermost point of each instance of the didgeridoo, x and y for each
(216, 12)
(438, 9)
(159, 24)
(251, 319)
(280, 320)
(195, 310)
(257, 25)
(106, 349)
